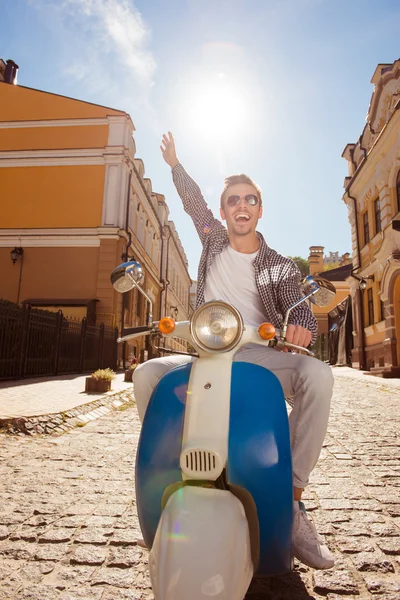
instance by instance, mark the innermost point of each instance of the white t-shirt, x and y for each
(231, 278)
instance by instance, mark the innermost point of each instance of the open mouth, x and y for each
(242, 218)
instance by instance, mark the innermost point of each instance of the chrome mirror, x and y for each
(320, 291)
(127, 276)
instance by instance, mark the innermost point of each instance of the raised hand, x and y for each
(168, 150)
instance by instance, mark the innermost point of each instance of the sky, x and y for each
(271, 88)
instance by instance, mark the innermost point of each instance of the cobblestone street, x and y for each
(68, 525)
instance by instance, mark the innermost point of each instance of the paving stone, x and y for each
(80, 509)
(121, 578)
(335, 581)
(123, 537)
(88, 555)
(11, 518)
(367, 517)
(121, 594)
(393, 510)
(384, 530)
(98, 521)
(374, 483)
(347, 597)
(51, 551)
(332, 504)
(377, 584)
(48, 509)
(56, 536)
(38, 592)
(95, 536)
(17, 550)
(40, 520)
(7, 566)
(65, 575)
(110, 510)
(27, 534)
(74, 521)
(354, 544)
(126, 522)
(367, 504)
(123, 558)
(34, 572)
(84, 595)
(372, 561)
(389, 545)
(352, 529)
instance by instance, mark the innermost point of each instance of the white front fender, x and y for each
(202, 547)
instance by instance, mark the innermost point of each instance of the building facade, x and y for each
(76, 203)
(336, 276)
(175, 298)
(372, 195)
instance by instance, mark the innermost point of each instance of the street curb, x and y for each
(60, 422)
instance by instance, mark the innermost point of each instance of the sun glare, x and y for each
(216, 110)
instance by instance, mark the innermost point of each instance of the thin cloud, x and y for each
(106, 49)
(120, 28)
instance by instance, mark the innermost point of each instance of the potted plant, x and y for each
(129, 371)
(100, 381)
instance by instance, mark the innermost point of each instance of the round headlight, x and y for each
(216, 327)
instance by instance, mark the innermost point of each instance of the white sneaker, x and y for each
(308, 546)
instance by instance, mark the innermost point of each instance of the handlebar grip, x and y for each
(132, 330)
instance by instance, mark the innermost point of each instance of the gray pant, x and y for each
(307, 384)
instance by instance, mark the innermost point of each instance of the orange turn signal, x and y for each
(166, 325)
(266, 331)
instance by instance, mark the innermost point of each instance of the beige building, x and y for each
(192, 297)
(175, 297)
(372, 195)
(76, 203)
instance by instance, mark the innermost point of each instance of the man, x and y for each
(237, 266)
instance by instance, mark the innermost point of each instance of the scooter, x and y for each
(214, 487)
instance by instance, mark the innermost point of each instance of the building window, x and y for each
(398, 190)
(377, 213)
(382, 306)
(370, 307)
(366, 227)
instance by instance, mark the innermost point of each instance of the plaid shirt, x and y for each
(277, 277)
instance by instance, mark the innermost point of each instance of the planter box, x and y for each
(128, 375)
(97, 386)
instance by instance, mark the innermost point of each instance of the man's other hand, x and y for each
(298, 335)
(168, 150)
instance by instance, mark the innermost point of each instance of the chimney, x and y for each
(10, 75)
(316, 259)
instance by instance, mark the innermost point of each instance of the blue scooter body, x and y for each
(259, 456)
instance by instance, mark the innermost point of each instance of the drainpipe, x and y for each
(359, 293)
(164, 281)
(124, 257)
(167, 282)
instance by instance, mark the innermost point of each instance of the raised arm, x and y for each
(189, 192)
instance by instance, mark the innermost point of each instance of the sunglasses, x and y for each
(251, 200)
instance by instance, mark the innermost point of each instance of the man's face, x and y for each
(242, 218)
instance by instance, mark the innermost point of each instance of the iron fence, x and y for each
(321, 347)
(36, 343)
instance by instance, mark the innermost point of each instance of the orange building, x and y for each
(74, 204)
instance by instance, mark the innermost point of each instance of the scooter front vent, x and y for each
(199, 463)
